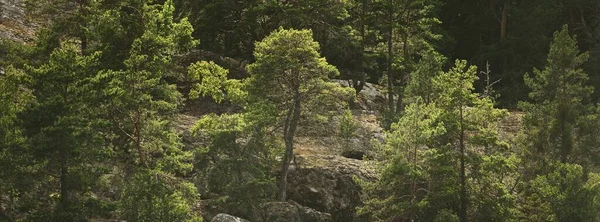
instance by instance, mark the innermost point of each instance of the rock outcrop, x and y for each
(14, 23)
(327, 183)
(227, 218)
(291, 211)
(369, 98)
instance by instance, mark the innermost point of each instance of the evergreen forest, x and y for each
(300, 110)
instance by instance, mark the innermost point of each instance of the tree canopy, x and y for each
(420, 110)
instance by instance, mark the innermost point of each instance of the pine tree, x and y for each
(560, 127)
(62, 135)
(139, 108)
(446, 156)
(20, 174)
(471, 122)
(287, 75)
(239, 145)
(559, 105)
(282, 89)
(401, 190)
(420, 84)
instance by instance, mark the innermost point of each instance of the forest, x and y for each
(300, 110)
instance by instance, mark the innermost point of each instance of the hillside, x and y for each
(301, 111)
(15, 24)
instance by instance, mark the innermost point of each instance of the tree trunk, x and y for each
(399, 104)
(390, 85)
(414, 177)
(289, 131)
(360, 84)
(504, 20)
(63, 208)
(463, 182)
(405, 77)
(83, 12)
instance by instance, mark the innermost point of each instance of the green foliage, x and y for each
(152, 195)
(16, 98)
(213, 82)
(472, 134)
(399, 192)
(564, 194)
(290, 76)
(493, 182)
(19, 172)
(13, 54)
(420, 177)
(60, 125)
(242, 145)
(285, 61)
(87, 110)
(562, 78)
(446, 216)
(239, 145)
(558, 128)
(553, 123)
(420, 83)
(243, 151)
(347, 127)
(141, 106)
(97, 110)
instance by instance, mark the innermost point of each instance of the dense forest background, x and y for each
(92, 105)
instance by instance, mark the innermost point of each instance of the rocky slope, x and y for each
(15, 24)
(324, 176)
(322, 183)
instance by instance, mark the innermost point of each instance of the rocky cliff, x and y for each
(15, 23)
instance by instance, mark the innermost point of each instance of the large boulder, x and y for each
(291, 211)
(326, 183)
(369, 98)
(227, 218)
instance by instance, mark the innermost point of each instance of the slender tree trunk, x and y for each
(399, 104)
(138, 137)
(363, 75)
(414, 177)
(64, 203)
(83, 13)
(390, 84)
(564, 133)
(503, 22)
(63, 207)
(564, 143)
(463, 182)
(504, 19)
(289, 131)
(405, 77)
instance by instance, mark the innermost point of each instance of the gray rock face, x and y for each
(292, 212)
(227, 218)
(369, 98)
(11, 10)
(14, 24)
(326, 184)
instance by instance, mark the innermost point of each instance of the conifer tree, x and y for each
(401, 190)
(287, 83)
(239, 145)
(59, 126)
(288, 74)
(420, 84)
(471, 122)
(442, 156)
(560, 130)
(19, 175)
(140, 105)
(559, 105)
